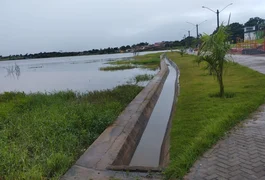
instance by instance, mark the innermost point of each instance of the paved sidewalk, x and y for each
(241, 155)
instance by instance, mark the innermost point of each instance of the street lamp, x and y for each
(197, 27)
(186, 31)
(217, 12)
(189, 43)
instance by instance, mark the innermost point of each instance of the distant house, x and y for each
(159, 44)
(250, 33)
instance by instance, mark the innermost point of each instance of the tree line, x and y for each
(108, 50)
(234, 30)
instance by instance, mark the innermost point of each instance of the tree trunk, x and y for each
(221, 85)
(222, 89)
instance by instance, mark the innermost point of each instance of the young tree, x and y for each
(182, 51)
(213, 51)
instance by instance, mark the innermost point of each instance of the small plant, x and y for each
(150, 174)
(127, 172)
(182, 51)
(144, 77)
(13, 71)
(140, 78)
(213, 51)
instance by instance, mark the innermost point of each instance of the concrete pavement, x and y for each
(254, 62)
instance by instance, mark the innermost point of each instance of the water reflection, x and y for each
(13, 71)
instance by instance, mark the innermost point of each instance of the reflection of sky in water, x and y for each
(76, 73)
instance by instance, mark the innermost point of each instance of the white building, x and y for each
(250, 33)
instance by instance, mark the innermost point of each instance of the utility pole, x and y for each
(187, 39)
(229, 19)
(186, 31)
(217, 12)
(184, 38)
(197, 27)
(197, 31)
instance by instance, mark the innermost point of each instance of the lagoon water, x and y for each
(79, 73)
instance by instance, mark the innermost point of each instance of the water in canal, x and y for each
(148, 150)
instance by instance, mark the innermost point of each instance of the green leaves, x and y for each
(213, 51)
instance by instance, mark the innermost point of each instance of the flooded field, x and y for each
(80, 73)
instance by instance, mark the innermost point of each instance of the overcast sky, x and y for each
(30, 26)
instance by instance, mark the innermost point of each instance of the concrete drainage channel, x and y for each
(148, 151)
(138, 141)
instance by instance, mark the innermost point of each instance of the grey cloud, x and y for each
(71, 25)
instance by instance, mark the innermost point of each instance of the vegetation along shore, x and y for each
(42, 134)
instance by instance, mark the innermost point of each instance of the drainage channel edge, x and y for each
(119, 140)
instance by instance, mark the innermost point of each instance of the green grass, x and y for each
(42, 135)
(117, 68)
(143, 77)
(201, 118)
(149, 61)
(260, 41)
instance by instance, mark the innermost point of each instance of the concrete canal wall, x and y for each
(115, 147)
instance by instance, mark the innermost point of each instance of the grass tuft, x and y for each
(117, 68)
(226, 95)
(200, 120)
(143, 77)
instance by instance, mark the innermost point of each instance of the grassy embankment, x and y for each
(200, 119)
(150, 61)
(41, 135)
